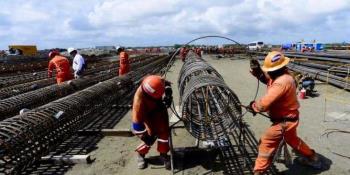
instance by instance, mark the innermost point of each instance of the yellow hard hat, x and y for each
(274, 61)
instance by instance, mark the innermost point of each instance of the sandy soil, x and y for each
(115, 155)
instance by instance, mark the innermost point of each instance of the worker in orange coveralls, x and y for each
(183, 53)
(150, 120)
(198, 51)
(124, 65)
(282, 105)
(61, 64)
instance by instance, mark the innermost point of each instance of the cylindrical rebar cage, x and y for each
(208, 105)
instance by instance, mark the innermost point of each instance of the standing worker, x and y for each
(198, 51)
(124, 65)
(79, 64)
(183, 53)
(61, 64)
(282, 105)
(150, 120)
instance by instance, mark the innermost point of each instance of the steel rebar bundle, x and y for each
(99, 67)
(205, 99)
(25, 138)
(211, 111)
(11, 106)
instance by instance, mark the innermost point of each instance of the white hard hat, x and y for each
(117, 47)
(71, 49)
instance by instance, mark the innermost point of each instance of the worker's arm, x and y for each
(138, 126)
(50, 69)
(256, 71)
(274, 92)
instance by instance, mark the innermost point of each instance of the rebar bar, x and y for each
(211, 111)
(25, 138)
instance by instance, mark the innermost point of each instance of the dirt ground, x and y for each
(115, 155)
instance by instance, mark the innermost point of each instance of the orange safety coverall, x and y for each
(183, 53)
(63, 72)
(124, 65)
(198, 52)
(282, 105)
(154, 116)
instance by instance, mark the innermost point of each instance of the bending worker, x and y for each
(150, 120)
(124, 65)
(79, 64)
(282, 105)
(61, 64)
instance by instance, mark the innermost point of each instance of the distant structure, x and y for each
(105, 47)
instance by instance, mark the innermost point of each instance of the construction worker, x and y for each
(150, 120)
(282, 105)
(79, 64)
(124, 65)
(183, 53)
(61, 64)
(198, 51)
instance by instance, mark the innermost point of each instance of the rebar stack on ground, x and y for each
(10, 80)
(211, 111)
(11, 106)
(95, 68)
(25, 138)
(205, 99)
(331, 68)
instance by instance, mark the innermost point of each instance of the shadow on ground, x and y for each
(299, 169)
(190, 157)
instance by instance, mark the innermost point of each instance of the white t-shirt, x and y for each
(78, 62)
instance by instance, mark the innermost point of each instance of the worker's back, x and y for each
(287, 104)
(61, 65)
(124, 66)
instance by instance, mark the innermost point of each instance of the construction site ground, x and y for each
(116, 155)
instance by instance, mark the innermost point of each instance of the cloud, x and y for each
(165, 22)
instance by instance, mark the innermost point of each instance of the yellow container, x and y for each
(26, 50)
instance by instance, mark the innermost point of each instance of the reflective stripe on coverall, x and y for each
(124, 65)
(63, 72)
(153, 115)
(280, 102)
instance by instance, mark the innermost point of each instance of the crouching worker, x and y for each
(61, 64)
(150, 120)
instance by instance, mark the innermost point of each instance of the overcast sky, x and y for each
(86, 23)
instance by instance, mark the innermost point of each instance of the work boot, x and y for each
(314, 162)
(141, 162)
(166, 161)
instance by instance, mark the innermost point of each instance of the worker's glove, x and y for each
(251, 109)
(167, 101)
(255, 69)
(149, 140)
(257, 72)
(168, 95)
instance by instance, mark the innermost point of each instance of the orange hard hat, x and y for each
(154, 86)
(274, 61)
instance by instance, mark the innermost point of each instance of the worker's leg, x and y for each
(144, 147)
(163, 136)
(294, 141)
(310, 157)
(268, 145)
(163, 143)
